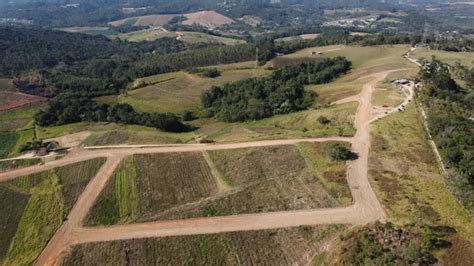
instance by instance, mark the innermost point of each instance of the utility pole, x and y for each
(256, 57)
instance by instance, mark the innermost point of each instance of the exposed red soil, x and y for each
(11, 100)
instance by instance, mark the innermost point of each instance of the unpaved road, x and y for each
(366, 206)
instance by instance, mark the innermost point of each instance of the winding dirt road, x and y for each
(366, 207)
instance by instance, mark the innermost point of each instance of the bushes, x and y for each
(281, 93)
(323, 120)
(338, 152)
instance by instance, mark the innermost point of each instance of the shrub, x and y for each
(338, 152)
(323, 120)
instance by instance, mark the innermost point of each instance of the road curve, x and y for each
(366, 206)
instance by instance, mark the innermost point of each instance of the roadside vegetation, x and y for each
(449, 113)
(38, 204)
(388, 244)
(403, 171)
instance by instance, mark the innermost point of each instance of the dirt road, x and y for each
(366, 206)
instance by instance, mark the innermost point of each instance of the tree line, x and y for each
(64, 110)
(281, 93)
(449, 108)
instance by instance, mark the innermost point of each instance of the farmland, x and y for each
(183, 185)
(277, 246)
(209, 19)
(41, 202)
(185, 36)
(404, 174)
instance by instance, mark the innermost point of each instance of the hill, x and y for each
(208, 19)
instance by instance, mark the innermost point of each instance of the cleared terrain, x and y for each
(216, 183)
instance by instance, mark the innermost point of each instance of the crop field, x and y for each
(177, 92)
(148, 184)
(289, 246)
(465, 58)
(38, 204)
(405, 176)
(185, 36)
(294, 125)
(209, 19)
(20, 163)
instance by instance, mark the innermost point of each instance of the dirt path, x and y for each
(366, 206)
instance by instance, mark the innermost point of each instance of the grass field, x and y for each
(7, 143)
(5, 84)
(465, 58)
(38, 204)
(292, 246)
(184, 185)
(404, 173)
(185, 36)
(177, 92)
(294, 125)
(365, 60)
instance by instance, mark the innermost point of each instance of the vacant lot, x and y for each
(292, 246)
(177, 92)
(184, 185)
(404, 173)
(37, 205)
(148, 184)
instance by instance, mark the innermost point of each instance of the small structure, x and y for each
(401, 82)
(316, 53)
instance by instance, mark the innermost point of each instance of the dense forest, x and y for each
(283, 92)
(65, 110)
(450, 113)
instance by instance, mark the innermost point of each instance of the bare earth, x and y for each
(366, 206)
